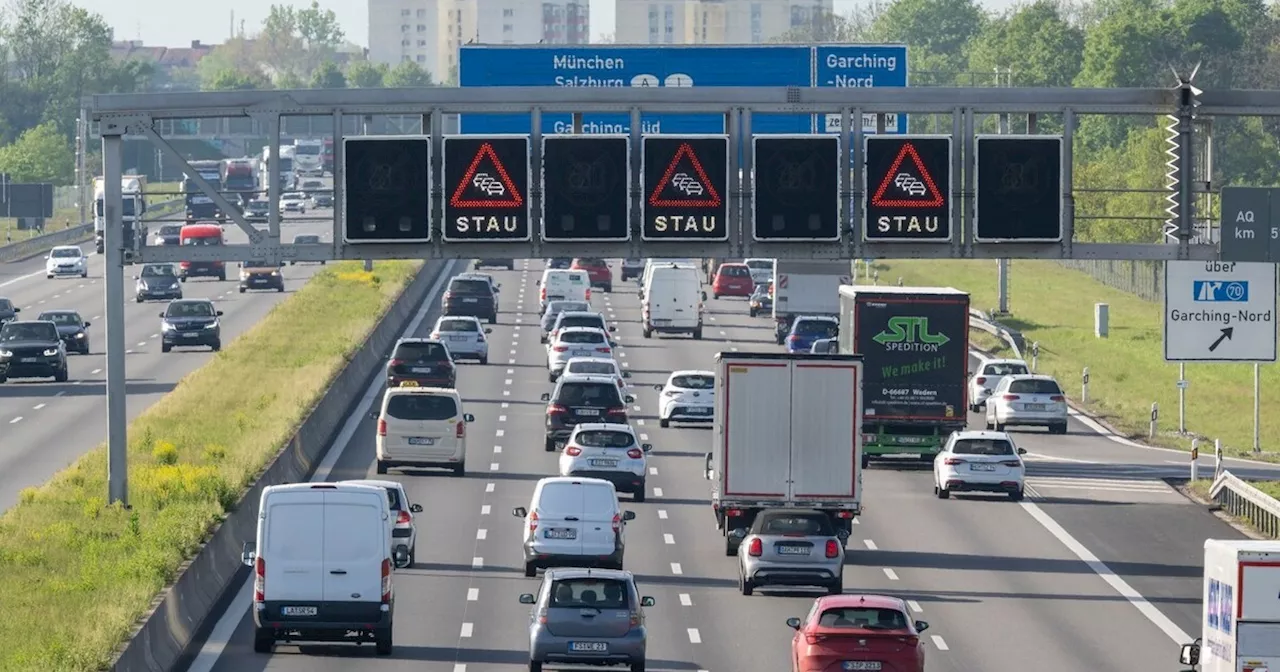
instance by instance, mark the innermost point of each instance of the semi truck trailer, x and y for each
(1240, 626)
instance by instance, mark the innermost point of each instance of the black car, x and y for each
(509, 264)
(157, 282)
(8, 311)
(190, 323)
(168, 234)
(32, 349)
(560, 263)
(260, 275)
(72, 328)
(256, 211)
(582, 398)
(471, 297)
(761, 300)
(307, 239)
(421, 362)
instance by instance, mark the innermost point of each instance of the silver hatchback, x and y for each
(791, 547)
(587, 617)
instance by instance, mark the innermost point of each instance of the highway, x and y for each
(45, 425)
(1056, 582)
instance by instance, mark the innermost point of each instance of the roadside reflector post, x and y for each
(1195, 460)
(1217, 458)
(1155, 417)
(1084, 386)
(1035, 355)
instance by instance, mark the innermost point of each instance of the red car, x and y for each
(597, 271)
(732, 280)
(857, 632)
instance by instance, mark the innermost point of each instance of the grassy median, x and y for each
(1054, 305)
(78, 574)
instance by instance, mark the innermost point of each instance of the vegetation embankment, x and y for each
(77, 574)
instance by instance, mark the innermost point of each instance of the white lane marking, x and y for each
(510, 371)
(640, 421)
(506, 382)
(482, 534)
(501, 433)
(626, 365)
(62, 393)
(653, 471)
(142, 344)
(466, 630)
(657, 492)
(37, 407)
(915, 606)
(95, 372)
(871, 545)
(473, 594)
(16, 420)
(502, 418)
(662, 514)
(485, 509)
(497, 449)
(940, 643)
(1052, 458)
(857, 522)
(506, 405)
(493, 466)
(155, 335)
(637, 410)
(733, 349)
(1120, 585)
(675, 568)
(669, 539)
(506, 393)
(643, 436)
(685, 600)
(694, 637)
(893, 576)
(511, 361)
(477, 562)
(488, 487)
(459, 667)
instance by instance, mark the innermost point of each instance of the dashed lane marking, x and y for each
(676, 569)
(488, 487)
(685, 600)
(37, 407)
(694, 637)
(493, 466)
(643, 436)
(657, 492)
(662, 514)
(871, 545)
(477, 562)
(669, 539)
(915, 606)
(482, 534)
(466, 630)
(500, 433)
(502, 418)
(653, 471)
(507, 381)
(485, 509)
(16, 420)
(473, 594)
(497, 449)
(893, 576)
(940, 643)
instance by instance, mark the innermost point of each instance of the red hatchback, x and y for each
(857, 632)
(597, 272)
(732, 280)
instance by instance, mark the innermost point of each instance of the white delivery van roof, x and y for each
(567, 494)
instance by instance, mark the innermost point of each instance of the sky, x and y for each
(176, 24)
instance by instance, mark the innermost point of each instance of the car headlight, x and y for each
(165, 326)
(275, 273)
(6, 353)
(212, 325)
(80, 334)
(173, 285)
(51, 352)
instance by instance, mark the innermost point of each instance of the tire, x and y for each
(263, 640)
(715, 295)
(608, 289)
(745, 585)
(1017, 495)
(413, 555)
(493, 319)
(48, 277)
(836, 586)
(61, 376)
(511, 266)
(3, 379)
(637, 666)
(1059, 429)
(941, 492)
(382, 642)
(551, 377)
(280, 288)
(638, 495)
(242, 290)
(530, 571)
(484, 360)
(664, 423)
(648, 333)
(165, 347)
(535, 666)
(182, 278)
(866, 460)
(751, 312)
(697, 334)
(84, 350)
(987, 424)
(216, 347)
(460, 470)
(222, 276)
(139, 299)
(85, 274)
(730, 548)
(542, 339)
(382, 467)
(550, 445)
(999, 427)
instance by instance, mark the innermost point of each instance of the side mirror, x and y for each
(249, 555)
(738, 533)
(19, 310)
(401, 556)
(793, 623)
(706, 469)
(628, 515)
(219, 313)
(613, 327)
(373, 413)
(487, 330)
(1190, 654)
(626, 374)
(630, 399)
(921, 626)
(546, 396)
(613, 344)
(647, 601)
(136, 278)
(537, 282)
(646, 447)
(468, 417)
(87, 325)
(1022, 451)
(526, 598)
(520, 512)
(415, 508)
(161, 314)
(659, 387)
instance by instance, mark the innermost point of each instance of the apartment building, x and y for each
(524, 22)
(713, 21)
(427, 32)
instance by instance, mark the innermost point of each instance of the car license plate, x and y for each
(983, 467)
(29, 360)
(555, 297)
(589, 411)
(299, 611)
(561, 533)
(469, 300)
(581, 353)
(860, 665)
(420, 369)
(589, 647)
(189, 334)
(662, 321)
(699, 411)
(408, 383)
(1035, 407)
(909, 439)
(792, 550)
(421, 441)
(459, 338)
(603, 463)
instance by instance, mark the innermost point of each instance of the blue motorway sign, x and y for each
(676, 65)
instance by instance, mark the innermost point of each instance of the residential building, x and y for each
(524, 22)
(714, 21)
(427, 32)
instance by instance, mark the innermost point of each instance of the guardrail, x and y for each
(982, 321)
(30, 247)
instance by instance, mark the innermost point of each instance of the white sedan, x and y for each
(66, 260)
(464, 336)
(573, 342)
(688, 396)
(1028, 399)
(608, 451)
(293, 202)
(988, 376)
(979, 461)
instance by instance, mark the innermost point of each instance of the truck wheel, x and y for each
(999, 427)
(751, 312)
(382, 642)
(382, 467)
(263, 640)
(730, 546)
(866, 460)
(697, 334)
(648, 333)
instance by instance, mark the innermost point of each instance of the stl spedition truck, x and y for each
(133, 207)
(914, 342)
(785, 435)
(1240, 629)
(805, 288)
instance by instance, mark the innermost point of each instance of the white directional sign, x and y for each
(1217, 311)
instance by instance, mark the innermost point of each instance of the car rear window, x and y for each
(589, 394)
(1005, 369)
(421, 352)
(459, 325)
(422, 407)
(760, 264)
(1035, 386)
(694, 382)
(814, 524)
(594, 321)
(581, 337)
(605, 438)
(393, 496)
(556, 307)
(598, 368)
(61, 319)
(586, 593)
(588, 262)
(469, 287)
(863, 617)
(819, 328)
(735, 271)
(982, 447)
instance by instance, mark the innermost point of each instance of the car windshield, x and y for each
(417, 406)
(61, 319)
(258, 263)
(593, 321)
(421, 352)
(760, 291)
(982, 447)
(258, 205)
(790, 523)
(597, 368)
(306, 240)
(1005, 369)
(867, 618)
(818, 328)
(581, 337)
(158, 271)
(189, 309)
(469, 286)
(458, 325)
(65, 253)
(5, 305)
(735, 271)
(28, 331)
(170, 230)
(588, 394)
(588, 593)
(693, 382)
(605, 438)
(294, 196)
(1034, 386)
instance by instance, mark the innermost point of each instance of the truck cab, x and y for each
(133, 208)
(1240, 626)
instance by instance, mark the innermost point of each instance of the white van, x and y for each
(322, 565)
(422, 427)
(573, 522)
(563, 285)
(672, 301)
(650, 264)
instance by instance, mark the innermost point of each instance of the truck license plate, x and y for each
(299, 611)
(589, 647)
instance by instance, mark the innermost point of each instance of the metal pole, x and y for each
(1217, 458)
(1257, 408)
(1195, 460)
(1182, 399)
(1002, 265)
(364, 130)
(113, 248)
(82, 165)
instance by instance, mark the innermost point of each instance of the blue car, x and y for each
(809, 328)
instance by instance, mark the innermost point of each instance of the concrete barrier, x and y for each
(182, 613)
(25, 249)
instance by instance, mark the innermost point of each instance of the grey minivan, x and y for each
(587, 617)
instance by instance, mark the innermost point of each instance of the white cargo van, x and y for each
(573, 522)
(322, 565)
(563, 285)
(1240, 627)
(650, 264)
(672, 301)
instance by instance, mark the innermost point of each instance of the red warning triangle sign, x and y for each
(906, 190)
(685, 184)
(486, 184)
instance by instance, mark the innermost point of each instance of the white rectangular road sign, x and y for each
(1219, 311)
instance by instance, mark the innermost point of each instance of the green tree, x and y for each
(40, 154)
(298, 40)
(328, 76)
(366, 75)
(234, 80)
(236, 54)
(938, 33)
(1035, 42)
(407, 74)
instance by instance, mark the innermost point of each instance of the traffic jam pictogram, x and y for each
(911, 176)
(488, 179)
(684, 177)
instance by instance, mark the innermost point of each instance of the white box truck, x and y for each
(1240, 629)
(805, 288)
(133, 204)
(787, 433)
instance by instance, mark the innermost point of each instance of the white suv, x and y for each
(610, 452)
(422, 427)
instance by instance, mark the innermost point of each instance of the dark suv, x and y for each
(509, 264)
(190, 322)
(32, 349)
(8, 311)
(471, 297)
(421, 362)
(582, 398)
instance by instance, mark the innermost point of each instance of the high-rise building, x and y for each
(427, 32)
(714, 21)
(524, 22)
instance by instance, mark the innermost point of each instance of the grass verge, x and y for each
(1127, 372)
(77, 573)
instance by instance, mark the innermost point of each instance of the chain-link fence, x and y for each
(64, 198)
(1144, 279)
